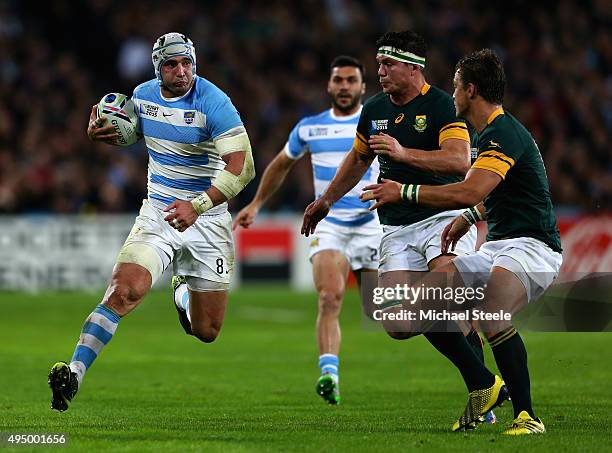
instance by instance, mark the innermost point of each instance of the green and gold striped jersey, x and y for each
(520, 206)
(423, 123)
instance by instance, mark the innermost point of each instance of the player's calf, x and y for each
(206, 334)
(207, 310)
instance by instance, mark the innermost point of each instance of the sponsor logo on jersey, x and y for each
(473, 153)
(314, 242)
(149, 110)
(399, 118)
(380, 125)
(420, 123)
(317, 131)
(189, 117)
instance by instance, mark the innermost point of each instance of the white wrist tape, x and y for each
(202, 203)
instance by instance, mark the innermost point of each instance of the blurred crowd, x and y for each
(272, 58)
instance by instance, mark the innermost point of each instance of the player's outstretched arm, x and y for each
(272, 178)
(349, 173)
(477, 185)
(97, 132)
(453, 157)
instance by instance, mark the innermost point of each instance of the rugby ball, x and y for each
(120, 112)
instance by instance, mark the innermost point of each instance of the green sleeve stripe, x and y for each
(476, 214)
(467, 215)
(413, 198)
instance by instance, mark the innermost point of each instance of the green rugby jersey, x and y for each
(520, 206)
(423, 123)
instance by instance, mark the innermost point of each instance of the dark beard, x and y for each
(347, 108)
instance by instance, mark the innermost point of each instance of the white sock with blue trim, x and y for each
(329, 365)
(181, 299)
(99, 328)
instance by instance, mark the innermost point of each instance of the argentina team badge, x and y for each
(189, 117)
(420, 123)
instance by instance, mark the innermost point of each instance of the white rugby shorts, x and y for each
(205, 250)
(531, 260)
(359, 244)
(412, 247)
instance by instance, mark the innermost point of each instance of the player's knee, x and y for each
(123, 298)
(398, 330)
(399, 335)
(492, 328)
(330, 301)
(206, 334)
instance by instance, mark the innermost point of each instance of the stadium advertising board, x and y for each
(78, 252)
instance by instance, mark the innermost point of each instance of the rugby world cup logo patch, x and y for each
(379, 125)
(474, 153)
(189, 117)
(420, 123)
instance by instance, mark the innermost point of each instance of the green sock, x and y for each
(511, 358)
(476, 344)
(456, 348)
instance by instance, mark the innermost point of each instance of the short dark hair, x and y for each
(407, 40)
(345, 60)
(485, 71)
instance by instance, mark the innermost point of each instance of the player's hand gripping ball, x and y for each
(120, 112)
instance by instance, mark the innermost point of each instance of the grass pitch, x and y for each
(155, 389)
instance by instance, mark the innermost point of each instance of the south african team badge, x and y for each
(420, 123)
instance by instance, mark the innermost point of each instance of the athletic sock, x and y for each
(456, 348)
(511, 358)
(181, 299)
(97, 331)
(329, 364)
(475, 342)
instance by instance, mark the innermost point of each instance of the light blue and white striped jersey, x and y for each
(180, 135)
(328, 138)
